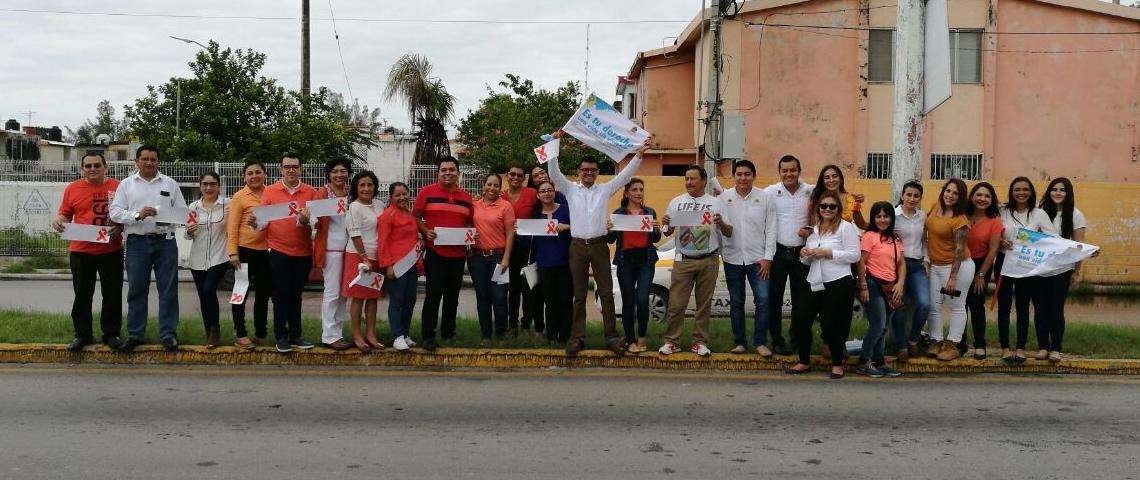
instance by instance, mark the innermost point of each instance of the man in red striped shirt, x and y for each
(290, 253)
(442, 204)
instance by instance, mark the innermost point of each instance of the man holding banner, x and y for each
(87, 201)
(597, 125)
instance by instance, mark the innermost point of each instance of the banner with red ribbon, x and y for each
(86, 233)
(540, 227)
(631, 223)
(327, 207)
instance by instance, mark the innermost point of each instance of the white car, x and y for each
(659, 290)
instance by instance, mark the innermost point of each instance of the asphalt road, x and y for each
(182, 423)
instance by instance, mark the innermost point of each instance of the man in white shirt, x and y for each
(150, 245)
(748, 254)
(696, 260)
(588, 202)
(791, 197)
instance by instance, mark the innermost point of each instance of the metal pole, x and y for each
(178, 109)
(906, 158)
(713, 122)
(305, 48)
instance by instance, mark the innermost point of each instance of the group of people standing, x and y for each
(813, 238)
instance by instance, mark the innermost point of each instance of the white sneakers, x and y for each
(701, 349)
(670, 348)
(400, 343)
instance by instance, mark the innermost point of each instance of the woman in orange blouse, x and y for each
(248, 245)
(396, 239)
(491, 256)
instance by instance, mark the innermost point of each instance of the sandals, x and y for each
(375, 344)
(795, 371)
(1007, 356)
(1020, 357)
(979, 354)
(244, 343)
(635, 348)
(362, 346)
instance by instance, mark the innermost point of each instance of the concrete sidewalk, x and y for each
(519, 358)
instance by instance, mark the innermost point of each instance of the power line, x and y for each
(343, 19)
(840, 27)
(340, 52)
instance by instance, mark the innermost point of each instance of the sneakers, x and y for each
(170, 344)
(400, 344)
(669, 348)
(1042, 355)
(574, 346)
(616, 345)
(408, 340)
(763, 351)
(700, 349)
(1054, 356)
(284, 346)
(738, 350)
(869, 370)
(888, 370)
(300, 344)
(429, 344)
(949, 352)
(78, 344)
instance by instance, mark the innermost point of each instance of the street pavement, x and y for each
(250, 423)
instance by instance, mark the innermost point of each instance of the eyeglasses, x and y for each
(290, 167)
(588, 170)
(209, 184)
(516, 175)
(828, 206)
(92, 165)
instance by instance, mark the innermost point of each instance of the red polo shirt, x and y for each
(285, 235)
(91, 205)
(442, 208)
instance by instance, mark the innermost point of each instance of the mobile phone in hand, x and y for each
(952, 293)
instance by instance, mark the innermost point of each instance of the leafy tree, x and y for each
(429, 105)
(230, 113)
(356, 115)
(508, 124)
(103, 123)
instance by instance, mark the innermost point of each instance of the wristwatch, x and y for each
(138, 216)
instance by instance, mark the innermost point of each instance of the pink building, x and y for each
(1041, 88)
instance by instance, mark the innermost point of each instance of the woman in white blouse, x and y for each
(1066, 221)
(831, 249)
(363, 210)
(206, 228)
(1018, 212)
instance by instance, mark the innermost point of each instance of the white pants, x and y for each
(332, 304)
(938, 276)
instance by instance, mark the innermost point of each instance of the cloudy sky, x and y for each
(61, 65)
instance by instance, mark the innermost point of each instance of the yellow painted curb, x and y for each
(515, 358)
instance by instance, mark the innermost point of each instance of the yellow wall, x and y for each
(1112, 211)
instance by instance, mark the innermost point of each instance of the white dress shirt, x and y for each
(844, 245)
(753, 220)
(791, 212)
(208, 246)
(135, 194)
(1054, 228)
(588, 205)
(912, 230)
(1034, 220)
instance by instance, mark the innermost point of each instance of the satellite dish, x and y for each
(102, 139)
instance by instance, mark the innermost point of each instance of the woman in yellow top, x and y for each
(831, 180)
(248, 245)
(947, 230)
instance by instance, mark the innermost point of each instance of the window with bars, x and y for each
(952, 165)
(878, 166)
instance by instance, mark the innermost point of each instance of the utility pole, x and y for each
(305, 48)
(906, 158)
(714, 135)
(29, 113)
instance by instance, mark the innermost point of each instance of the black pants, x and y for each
(786, 267)
(109, 267)
(521, 293)
(976, 306)
(1049, 303)
(1011, 291)
(833, 306)
(289, 275)
(207, 282)
(444, 279)
(558, 293)
(261, 282)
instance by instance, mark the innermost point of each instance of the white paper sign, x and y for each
(370, 280)
(547, 151)
(86, 233)
(269, 213)
(454, 236)
(690, 219)
(501, 275)
(406, 263)
(177, 214)
(600, 126)
(537, 227)
(241, 284)
(632, 223)
(327, 208)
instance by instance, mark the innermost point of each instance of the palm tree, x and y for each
(429, 105)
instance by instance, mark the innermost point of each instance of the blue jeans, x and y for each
(734, 276)
(918, 293)
(490, 297)
(144, 254)
(401, 301)
(634, 279)
(876, 308)
(207, 282)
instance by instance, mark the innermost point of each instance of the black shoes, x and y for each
(430, 345)
(112, 343)
(300, 344)
(77, 344)
(574, 346)
(129, 345)
(616, 345)
(170, 344)
(284, 346)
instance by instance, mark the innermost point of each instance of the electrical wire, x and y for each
(841, 27)
(332, 16)
(342, 19)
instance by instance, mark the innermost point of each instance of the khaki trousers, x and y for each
(687, 274)
(584, 256)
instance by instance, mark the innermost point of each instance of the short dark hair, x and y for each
(915, 184)
(210, 174)
(444, 159)
(290, 155)
(882, 207)
(744, 163)
(518, 166)
(700, 170)
(352, 194)
(94, 153)
(789, 158)
(587, 159)
(147, 148)
(332, 163)
(251, 163)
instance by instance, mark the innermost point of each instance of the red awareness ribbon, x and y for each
(645, 225)
(102, 235)
(376, 282)
(236, 298)
(550, 227)
(294, 209)
(541, 151)
(706, 218)
(470, 237)
(340, 208)
(193, 218)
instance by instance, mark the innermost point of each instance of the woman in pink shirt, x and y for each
(882, 276)
(396, 240)
(490, 257)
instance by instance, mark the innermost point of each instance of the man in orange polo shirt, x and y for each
(290, 253)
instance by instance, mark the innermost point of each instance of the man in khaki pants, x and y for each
(697, 246)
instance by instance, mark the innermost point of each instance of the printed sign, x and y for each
(1039, 254)
(598, 125)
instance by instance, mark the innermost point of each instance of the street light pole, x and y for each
(178, 89)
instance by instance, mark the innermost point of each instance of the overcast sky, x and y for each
(61, 65)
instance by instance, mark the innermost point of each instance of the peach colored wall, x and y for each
(1059, 114)
(669, 115)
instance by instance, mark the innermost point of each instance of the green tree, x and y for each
(508, 125)
(429, 105)
(230, 113)
(103, 123)
(355, 114)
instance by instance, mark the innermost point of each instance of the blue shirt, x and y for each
(554, 251)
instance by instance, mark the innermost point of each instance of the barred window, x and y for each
(878, 165)
(951, 165)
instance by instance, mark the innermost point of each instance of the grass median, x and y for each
(1081, 339)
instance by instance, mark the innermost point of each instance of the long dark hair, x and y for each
(356, 178)
(392, 189)
(625, 194)
(958, 208)
(915, 184)
(992, 210)
(817, 192)
(1067, 205)
(537, 211)
(530, 176)
(1030, 202)
(886, 233)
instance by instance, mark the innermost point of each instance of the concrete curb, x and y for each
(520, 358)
